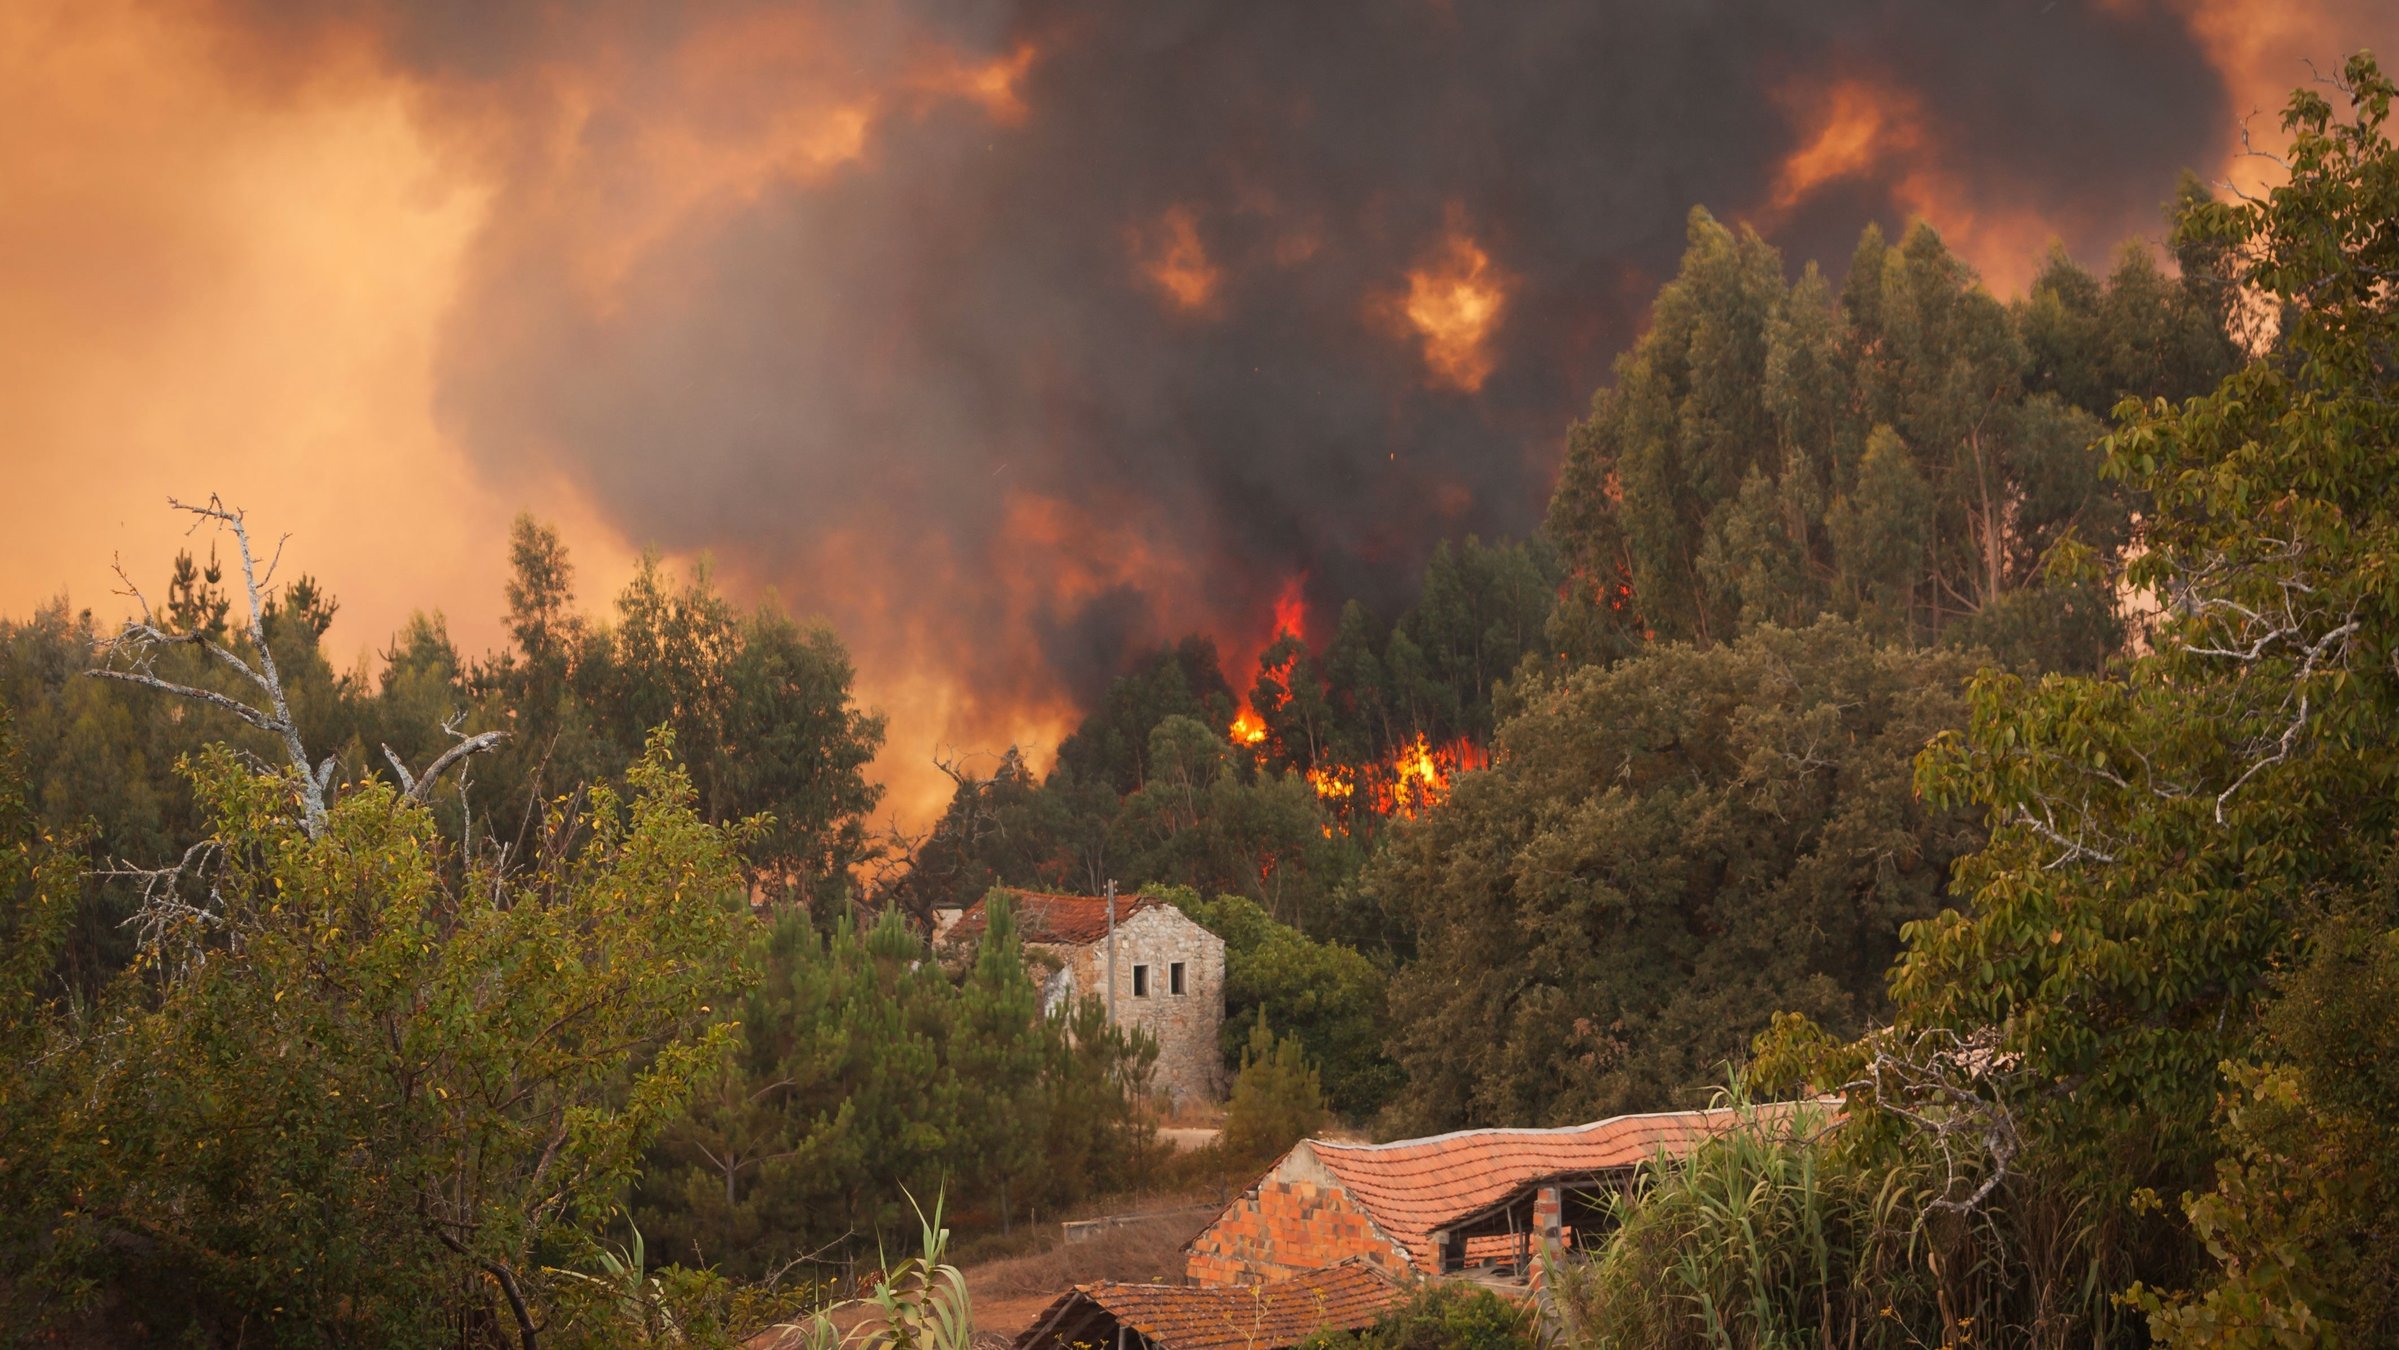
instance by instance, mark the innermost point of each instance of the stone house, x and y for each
(1152, 967)
(1478, 1203)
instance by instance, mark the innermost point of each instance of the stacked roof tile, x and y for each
(1221, 1317)
(1061, 920)
(1414, 1187)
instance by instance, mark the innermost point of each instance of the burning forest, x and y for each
(1074, 331)
(778, 623)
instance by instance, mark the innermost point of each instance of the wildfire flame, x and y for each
(1420, 775)
(1291, 609)
(1290, 621)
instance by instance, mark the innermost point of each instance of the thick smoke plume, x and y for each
(1015, 337)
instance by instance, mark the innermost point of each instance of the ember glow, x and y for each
(1170, 254)
(1012, 340)
(1852, 128)
(1454, 303)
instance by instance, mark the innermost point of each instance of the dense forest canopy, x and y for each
(1811, 747)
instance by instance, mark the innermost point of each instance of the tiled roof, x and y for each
(1225, 1317)
(1415, 1186)
(1066, 920)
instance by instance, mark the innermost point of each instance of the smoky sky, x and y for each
(847, 383)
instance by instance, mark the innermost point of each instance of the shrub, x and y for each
(1276, 1101)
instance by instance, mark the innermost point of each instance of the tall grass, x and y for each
(1771, 1237)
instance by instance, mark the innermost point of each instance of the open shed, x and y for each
(1482, 1201)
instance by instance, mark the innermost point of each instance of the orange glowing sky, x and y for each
(232, 266)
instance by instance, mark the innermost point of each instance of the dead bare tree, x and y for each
(130, 656)
(1953, 1089)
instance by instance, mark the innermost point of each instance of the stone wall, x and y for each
(1187, 1025)
(1296, 1219)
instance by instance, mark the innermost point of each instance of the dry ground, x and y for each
(1008, 1293)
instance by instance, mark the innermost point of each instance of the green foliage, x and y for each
(374, 1090)
(2157, 830)
(1732, 1245)
(2162, 833)
(623, 1302)
(38, 893)
(761, 708)
(1440, 1317)
(1904, 454)
(1664, 853)
(2301, 1215)
(865, 1072)
(1276, 1099)
(1149, 790)
(1325, 995)
(919, 1304)
(1206, 822)
(1111, 746)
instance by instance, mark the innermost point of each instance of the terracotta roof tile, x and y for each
(1414, 1186)
(1227, 1317)
(1064, 920)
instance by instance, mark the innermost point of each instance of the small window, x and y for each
(1174, 979)
(1141, 981)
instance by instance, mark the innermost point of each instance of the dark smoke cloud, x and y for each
(837, 382)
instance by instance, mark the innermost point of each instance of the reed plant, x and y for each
(1772, 1237)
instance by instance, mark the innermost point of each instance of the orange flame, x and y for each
(1419, 776)
(1291, 609)
(1454, 303)
(1290, 620)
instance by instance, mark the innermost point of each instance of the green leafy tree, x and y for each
(2164, 835)
(1664, 853)
(1111, 745)
(865, 1074)
(1209, 823)
(1276, 1099)
(1905, 453)
(374, 1091)
(38, 898)
(1324, 995)
(1012, 829)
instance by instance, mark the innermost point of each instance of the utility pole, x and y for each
(1111, 953)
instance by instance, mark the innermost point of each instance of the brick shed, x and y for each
(1474, 1199)
(1168, 974)
(1114, 1316)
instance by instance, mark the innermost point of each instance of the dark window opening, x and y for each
(1174, 978)
(1141, 981)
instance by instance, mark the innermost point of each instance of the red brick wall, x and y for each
(1283, 1228)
